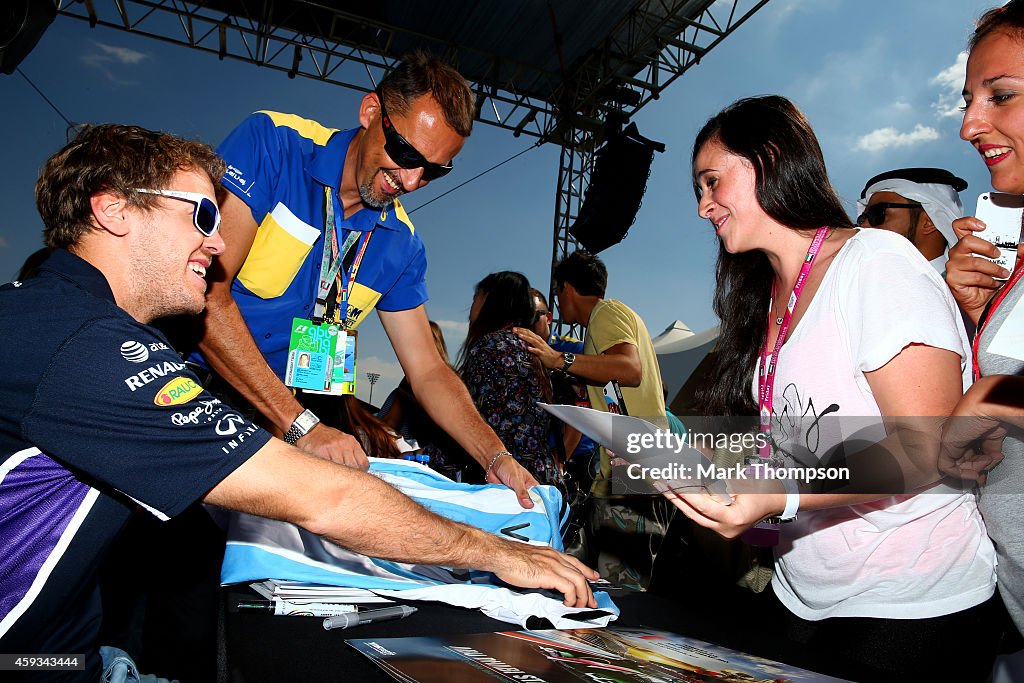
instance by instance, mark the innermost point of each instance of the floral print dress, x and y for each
(505, 384)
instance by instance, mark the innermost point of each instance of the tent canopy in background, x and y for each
(680, 351)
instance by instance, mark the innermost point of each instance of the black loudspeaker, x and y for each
(617, 186)
(22, 24)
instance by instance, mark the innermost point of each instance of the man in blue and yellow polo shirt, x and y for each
(296, 188)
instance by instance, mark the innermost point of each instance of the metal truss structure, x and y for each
(643, 47)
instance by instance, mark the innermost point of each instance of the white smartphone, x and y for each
(1003, 214)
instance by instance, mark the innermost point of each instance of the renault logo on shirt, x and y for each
(153, 372)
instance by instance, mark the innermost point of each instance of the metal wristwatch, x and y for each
(568, 358)
(303, 423)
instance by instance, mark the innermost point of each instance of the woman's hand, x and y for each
(971, 447)
(729, 521)
(972, 438)
(508, 471)
(971, 279)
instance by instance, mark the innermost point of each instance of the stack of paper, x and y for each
(297, 592)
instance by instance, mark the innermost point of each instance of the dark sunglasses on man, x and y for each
(205, 213)
(402, 152)
(875, 214)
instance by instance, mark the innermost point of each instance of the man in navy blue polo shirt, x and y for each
(99, 417)
(318, 236)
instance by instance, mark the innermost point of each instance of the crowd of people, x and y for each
(274, 247)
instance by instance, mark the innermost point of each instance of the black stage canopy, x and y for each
(540, 67)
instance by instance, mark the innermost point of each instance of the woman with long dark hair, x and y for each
(505, 380)
(821, 319)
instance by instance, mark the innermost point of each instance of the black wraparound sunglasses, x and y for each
(875, 214)
(401, 150)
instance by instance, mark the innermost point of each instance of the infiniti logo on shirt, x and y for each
(228, 425)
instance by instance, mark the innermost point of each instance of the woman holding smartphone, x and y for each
(993, 298)
(853, 324)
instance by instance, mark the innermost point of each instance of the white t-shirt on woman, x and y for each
(908, 556)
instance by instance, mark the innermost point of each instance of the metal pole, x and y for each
(373, 377)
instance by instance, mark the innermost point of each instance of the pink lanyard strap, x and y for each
(766, 376)
(1015, 277)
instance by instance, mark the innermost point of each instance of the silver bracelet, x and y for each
(494, 460)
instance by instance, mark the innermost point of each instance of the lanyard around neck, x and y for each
(990, 311)
(334, 258)
(766, 376)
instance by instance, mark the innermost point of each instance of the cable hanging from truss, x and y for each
(478, 175)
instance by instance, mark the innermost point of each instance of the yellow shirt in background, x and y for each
(613, 322)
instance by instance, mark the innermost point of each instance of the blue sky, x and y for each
(880, 86)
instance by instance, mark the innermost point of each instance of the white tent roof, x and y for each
(680, 351)
(677, 330)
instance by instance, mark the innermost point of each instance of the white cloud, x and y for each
(951, 82)
(779, 11)
(109, 54)
(833, 80)
(458, 327)
(884, 138)
(107, 57)
(123, 55)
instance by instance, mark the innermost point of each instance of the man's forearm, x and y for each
(997, 396)
(425, 537)
(351, 508)
(601, 369)
(361, 512)
(229, 349)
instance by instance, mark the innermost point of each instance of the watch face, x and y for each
(306, 421)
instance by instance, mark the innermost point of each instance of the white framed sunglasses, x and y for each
(205, 212)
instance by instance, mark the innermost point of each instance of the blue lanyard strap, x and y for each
(333, 257)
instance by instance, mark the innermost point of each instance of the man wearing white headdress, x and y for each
(918, 203)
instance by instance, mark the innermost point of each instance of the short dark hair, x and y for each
(117, 158)
(584, 271)
(1008, 19)
(421, 73)
(539, 295)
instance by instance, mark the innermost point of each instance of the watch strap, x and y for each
(568, 358)
(301, 426)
